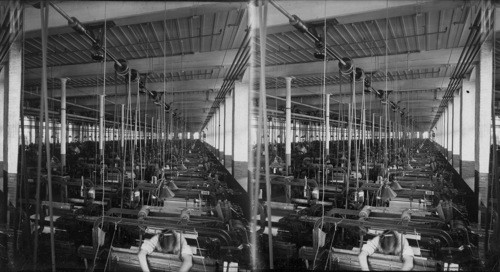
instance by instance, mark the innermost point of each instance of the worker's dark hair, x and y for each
(168, 242)
(388, 241)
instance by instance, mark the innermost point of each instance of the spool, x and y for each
(123, 69)
(406, 216)
(143, 212)
(365, 212)
(91, 193)
(346, 68)
(185, 214)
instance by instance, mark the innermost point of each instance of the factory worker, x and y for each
(390, 243)
(167, 242)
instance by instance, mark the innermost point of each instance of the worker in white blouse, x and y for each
(391, 243)
(167, 242)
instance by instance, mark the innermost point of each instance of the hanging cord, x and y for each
(255, 184)
(386, 154)
(23, 170)
(494, 178)
(331, 242)
(355, 130)
(324, 148)
(202, 258)
(129, 129)
(263, 119)
(139, 136)
(115, 114)
(110, 245)
(44, 21)
(341, 124)
(102, 128)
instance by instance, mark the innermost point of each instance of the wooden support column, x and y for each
(240, 133)
(228, 127)
(456, 131)
(327, 126)
(222, 121)
(449, 119)
(483, 120)
(3, 104)
(288, 121)
(101, 127)
(63, 122)
(11, 94)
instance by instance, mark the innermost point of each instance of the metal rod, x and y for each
(263, 36)
(44, 20)
(85, 32)
(297, 23)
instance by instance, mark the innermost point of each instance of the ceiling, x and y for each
(180, 50)
(410, 50)
(185, 50)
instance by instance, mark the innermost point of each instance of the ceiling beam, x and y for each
(196, 85)
(426, 59)
(120, 12)
(204, 60)
(400, 85)
(111, 101)
(346, 12)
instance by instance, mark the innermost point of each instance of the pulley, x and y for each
(121, 68)
(142, 86)
(359, 73)
(134, 75)
(97, 56)
(346, 68)
(368, 84)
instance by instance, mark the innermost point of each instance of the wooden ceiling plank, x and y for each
(386, 43)
(155, 34)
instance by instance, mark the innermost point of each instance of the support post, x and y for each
(11, 94)
(241, 126)
(288, 127)
(228, 126)
(101, 127)
(327, 126)
(456, 131)
(483, 120)
(63, 123)
(122, 138)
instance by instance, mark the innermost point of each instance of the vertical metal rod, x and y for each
(262, 103)
(386, 115)
(349, 139)
(45, 18)
(122, 138)
(255, 182)
(38, 177)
